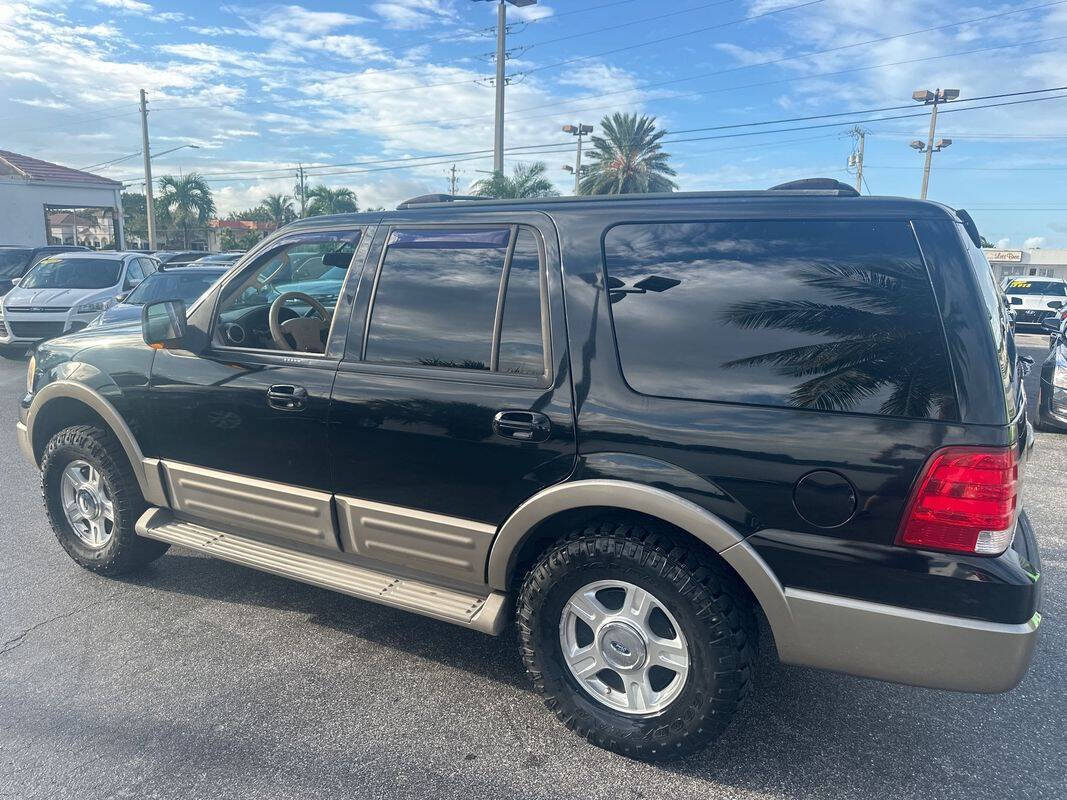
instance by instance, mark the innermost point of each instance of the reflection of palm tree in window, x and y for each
(884, 336)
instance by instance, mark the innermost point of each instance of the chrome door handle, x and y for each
(286, 397)
(526, 426)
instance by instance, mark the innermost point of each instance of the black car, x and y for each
(16, 260)
(178, 283)
(1052, 399)
(627, 424)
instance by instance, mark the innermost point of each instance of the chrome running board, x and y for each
(487, 614)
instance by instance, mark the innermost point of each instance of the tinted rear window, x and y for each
(835, 316)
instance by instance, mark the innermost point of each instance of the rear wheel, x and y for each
(93, 501)
(642, 646)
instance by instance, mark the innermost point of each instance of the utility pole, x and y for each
(148, 202)
(452, 181)
(303, 191)
(932, 99)
(501, 80)
(578, 130)
(856, 160)
(498, 119)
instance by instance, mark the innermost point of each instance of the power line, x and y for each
(408, 162)
(692, 32)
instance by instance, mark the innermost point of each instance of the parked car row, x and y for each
(57, 290)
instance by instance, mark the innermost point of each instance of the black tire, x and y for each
(712, 609)
(125, 551)
(13, 353)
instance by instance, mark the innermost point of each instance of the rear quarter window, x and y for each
(832, 316)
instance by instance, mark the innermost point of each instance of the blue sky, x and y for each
(262, 86)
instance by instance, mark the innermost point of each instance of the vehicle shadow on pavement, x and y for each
(494, 658)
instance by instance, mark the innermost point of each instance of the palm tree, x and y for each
(874, 340)
(324, 200)
(279, 208)
(527, 180)
(627, 159)
(187, 199)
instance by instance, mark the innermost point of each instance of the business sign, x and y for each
(1004, 255)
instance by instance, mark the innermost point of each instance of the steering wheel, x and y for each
(306, 332)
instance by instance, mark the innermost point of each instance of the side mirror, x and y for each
(1057, 304)
(1051, 323)
(163, 324)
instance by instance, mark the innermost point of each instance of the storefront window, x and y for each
(85, 225)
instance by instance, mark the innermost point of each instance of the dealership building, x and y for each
(1039, 262)
(43, 203)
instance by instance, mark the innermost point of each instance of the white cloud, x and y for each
(40, 102)
(1003, 244)
(409, 14)
(1034, 242)
(132, 6)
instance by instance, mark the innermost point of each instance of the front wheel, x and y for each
(93, 501)
(642, 646)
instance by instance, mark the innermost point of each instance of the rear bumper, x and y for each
(907, 646)
(892, 642)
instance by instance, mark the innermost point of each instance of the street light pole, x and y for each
(578, 130)
(932, 99)
(149, 206)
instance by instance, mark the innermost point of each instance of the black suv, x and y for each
(629, 424)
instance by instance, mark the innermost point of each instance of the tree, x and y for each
(279, 207)
(627, 158)
(188, 200)
(324, 200)
(982, 241)
(527, 180)
(134, 216)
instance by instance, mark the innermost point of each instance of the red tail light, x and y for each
(966, 501)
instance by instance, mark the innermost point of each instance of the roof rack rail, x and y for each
(423, 199)
(817, 185)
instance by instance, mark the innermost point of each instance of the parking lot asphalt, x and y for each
(200, 679)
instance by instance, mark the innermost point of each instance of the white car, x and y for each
(64, 293)
(1033, 298)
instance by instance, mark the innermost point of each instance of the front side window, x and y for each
(58, 272)
(443, 293)
(298, 283)
(835, 316)
(134, 273)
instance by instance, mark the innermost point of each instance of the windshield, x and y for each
(73, 273)
(1020, 286)
(13, 261)
(163, 286)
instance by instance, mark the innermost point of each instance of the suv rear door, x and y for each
(452, 404)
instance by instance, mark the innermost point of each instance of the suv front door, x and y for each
(241, 428)
(452, 404)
